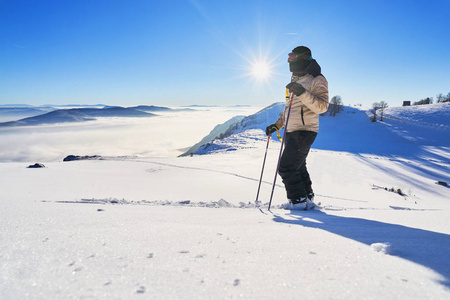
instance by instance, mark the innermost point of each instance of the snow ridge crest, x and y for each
(227, 136)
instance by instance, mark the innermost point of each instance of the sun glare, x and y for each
(261, 70)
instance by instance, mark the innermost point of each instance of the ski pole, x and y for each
(281, 148)
(262, 171)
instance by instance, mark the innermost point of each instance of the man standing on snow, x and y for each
(310, 90)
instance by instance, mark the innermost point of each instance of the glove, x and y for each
(296, 88)
(271, 129)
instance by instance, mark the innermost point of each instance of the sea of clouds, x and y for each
(167, 135)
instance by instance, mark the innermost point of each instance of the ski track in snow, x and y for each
(203, 169)
(225, 204)
(220, 172)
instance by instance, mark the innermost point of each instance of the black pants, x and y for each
(293, 163)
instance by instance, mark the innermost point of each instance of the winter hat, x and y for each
(302, 50)
(299, 59)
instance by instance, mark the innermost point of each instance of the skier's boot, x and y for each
(310, 201)
(296, 204)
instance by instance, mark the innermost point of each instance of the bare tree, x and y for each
(335, 105)
(440, 98)
(382, 105)
(375, 106)
(424, 101)
(447, 98)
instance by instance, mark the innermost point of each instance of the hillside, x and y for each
(177, 228)
(405, 130)
(432, 115)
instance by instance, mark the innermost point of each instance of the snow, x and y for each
(435, 115)
(215, 133)
(385, 248)
(187, 227)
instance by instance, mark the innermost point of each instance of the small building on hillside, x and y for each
(406, 103)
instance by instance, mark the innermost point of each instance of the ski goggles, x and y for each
(295, 56)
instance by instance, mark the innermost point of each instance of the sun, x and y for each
(261, 69)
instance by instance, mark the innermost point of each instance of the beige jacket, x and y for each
(306, 107)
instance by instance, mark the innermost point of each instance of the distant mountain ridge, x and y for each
(19, 110)
(78, 115)
(151, 108)
(36, 115)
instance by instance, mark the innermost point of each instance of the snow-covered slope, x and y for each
(217, 132)
(227, 138)
(185, 228)
(434, 115)
(405, 130)
(259, 120)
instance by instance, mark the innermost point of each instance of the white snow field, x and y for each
(147, 227)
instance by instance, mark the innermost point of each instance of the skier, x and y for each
(310, 90)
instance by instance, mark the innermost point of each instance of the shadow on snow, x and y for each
(415, 149)
(427, 248)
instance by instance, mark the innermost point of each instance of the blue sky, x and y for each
(180, 52)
